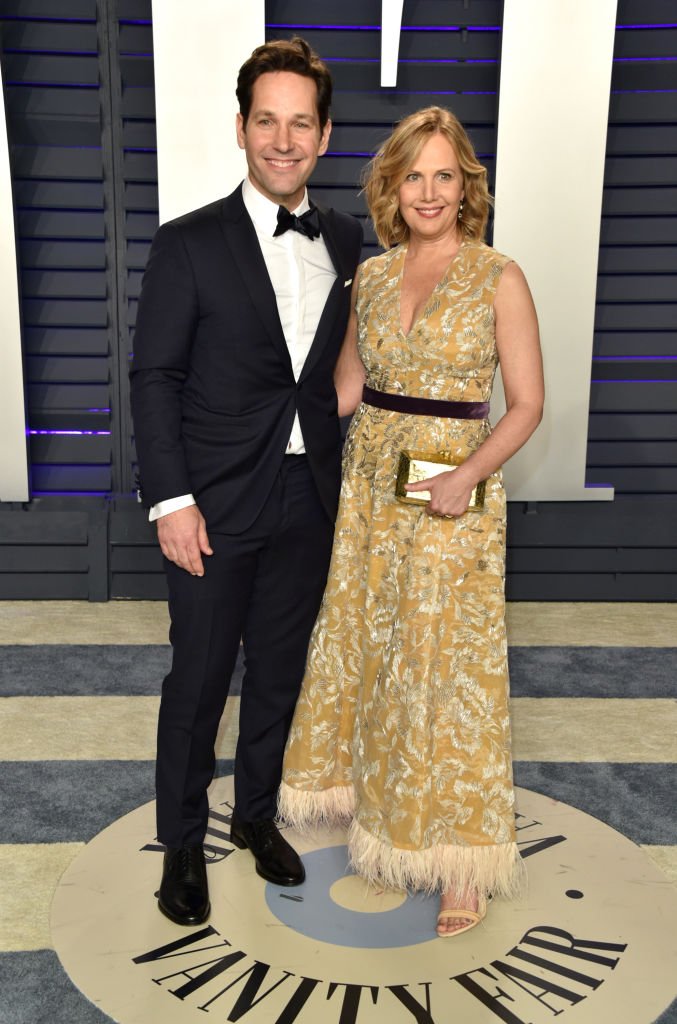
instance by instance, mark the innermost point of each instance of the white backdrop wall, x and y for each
(197, 59)
(13, 461)
(548, 208)
(548, 191)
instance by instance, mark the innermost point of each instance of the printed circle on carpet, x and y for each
(593, 940)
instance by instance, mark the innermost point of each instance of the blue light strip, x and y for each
(634, 359)
(658, 24)
(642, 60)
(377, 28)
(66, 21)
(426, 28)
(69, 433)
(22, 146)
(347, 152)
(632, 380)
(53, 53)
(52, 85)
(422, 61)
(423, 92)
(450, 60)
(345, 28)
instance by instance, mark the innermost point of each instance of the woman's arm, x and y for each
(349, 374)
(519, 355)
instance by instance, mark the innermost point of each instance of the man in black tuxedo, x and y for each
(242, 313)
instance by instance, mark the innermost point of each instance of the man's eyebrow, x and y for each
(272, 113)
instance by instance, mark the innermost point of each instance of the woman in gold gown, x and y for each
(402, 725)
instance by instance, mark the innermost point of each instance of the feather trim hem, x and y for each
(304, 809)
(496, 870)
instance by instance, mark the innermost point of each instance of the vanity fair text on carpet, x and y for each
(214, 976)
(548, 971)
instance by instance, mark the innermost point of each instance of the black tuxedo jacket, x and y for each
(212, 387)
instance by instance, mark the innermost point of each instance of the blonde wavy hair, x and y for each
(386, 172)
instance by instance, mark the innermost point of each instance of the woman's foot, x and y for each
(459, 912)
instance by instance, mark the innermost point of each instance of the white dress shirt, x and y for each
(302, 274)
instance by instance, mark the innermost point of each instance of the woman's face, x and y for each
(430, 194)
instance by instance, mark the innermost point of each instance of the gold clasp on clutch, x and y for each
(416, 466)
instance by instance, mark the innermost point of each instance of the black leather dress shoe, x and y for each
(276, 860)
(184, 896)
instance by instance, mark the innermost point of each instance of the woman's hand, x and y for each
(450, 493)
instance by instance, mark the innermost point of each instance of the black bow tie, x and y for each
(308, 223)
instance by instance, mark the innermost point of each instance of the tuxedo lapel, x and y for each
(334, 299)
(327, 228)
(240, 237)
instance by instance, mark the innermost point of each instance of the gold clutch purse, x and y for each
(415, 466)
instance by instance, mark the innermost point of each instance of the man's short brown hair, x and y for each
(285, 55)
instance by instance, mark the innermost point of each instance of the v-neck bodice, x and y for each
(450, 350)
(418, 310)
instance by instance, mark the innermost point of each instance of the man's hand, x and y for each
(183, 539)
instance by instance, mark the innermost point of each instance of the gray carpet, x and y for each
(637, 800)
(36, 990)
(134, 670)
(71, 801)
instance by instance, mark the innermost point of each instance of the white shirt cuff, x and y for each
(163, 508)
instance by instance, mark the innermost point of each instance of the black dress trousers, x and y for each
(264, 587)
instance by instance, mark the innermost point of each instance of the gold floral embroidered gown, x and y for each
(402, 724)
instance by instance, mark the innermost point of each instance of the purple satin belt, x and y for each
(425, 406)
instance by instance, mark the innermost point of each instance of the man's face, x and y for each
(282, 138)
